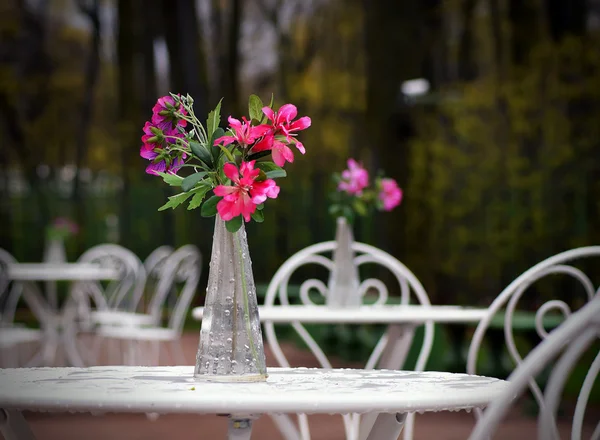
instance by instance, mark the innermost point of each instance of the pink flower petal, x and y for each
(231, 172)
(301, 124)
(225, 140)
(269, 112)
(300, 147)
(287, 112)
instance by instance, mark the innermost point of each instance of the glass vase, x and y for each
(343, 286)
(231, 344)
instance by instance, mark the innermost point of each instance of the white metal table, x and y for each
(390, 352)
(368, 314)
(55, 323)
(164, 390)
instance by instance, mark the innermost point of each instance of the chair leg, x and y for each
(13, 426)
(286, 427)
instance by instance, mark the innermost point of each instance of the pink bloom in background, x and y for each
(245, 194)
(390, 195)
(283, 123)
(164, 114)
(354, 179)
(67, 224)
(243, 133)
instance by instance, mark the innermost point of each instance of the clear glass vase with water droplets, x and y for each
(343, 285)
(231, 344)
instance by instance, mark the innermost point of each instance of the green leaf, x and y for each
(190, 181)
(175, 201)
(171, 179)
(360, 207)
(271, 170)
(215, 150)
(258, 216)
(201, 152)
(209, 208)
(199, 194)
(234, 224)
(260, 207)
(255, 106)
(213, 121)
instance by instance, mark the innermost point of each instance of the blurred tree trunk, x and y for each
(393, 45)
(25, 55)
(128, 105)
(92, 71)
(226, 43)
(186, 53)
(149, 94)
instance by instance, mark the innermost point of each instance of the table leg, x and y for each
(387, 427)
(239, 428)
(394, 355)
(14, 426)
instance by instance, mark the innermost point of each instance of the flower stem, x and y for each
(246, 305)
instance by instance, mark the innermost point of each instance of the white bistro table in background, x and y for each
(391, 350)
(57, 330)
(164, 390)
(401, 320)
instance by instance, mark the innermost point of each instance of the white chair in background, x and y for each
(12, 335)
(364, 255)
(509, 298)
(182, 266)
(147, 314)
(561, 350)
(121, 294)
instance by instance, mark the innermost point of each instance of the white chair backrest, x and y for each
(566, 344)
(364, 254)
(156, 260)
(9, 294)
(125, 292)
(154, 265)
(509, 298)
(182, 266)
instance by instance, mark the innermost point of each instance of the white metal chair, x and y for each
(509, 298)
(565, 345)
(154, 266)
(12, 334)
(364, 254)
(182, 266)
(121, 294)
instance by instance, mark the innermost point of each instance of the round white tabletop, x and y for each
(287, 390)
(60, 272)
(382, 314)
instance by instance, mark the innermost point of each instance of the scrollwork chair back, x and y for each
(565, 346)
(508, 299)
(364, 254)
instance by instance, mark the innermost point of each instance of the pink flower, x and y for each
(354, 179)
(280, 152)
(283, 123)
(390, 195)
(164, 114)
(245, 194)
(243, 133)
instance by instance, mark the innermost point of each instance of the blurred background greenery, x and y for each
(497, 158)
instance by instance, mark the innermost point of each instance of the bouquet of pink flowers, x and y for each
(227, 163)
(354, 194)
(61, 229)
